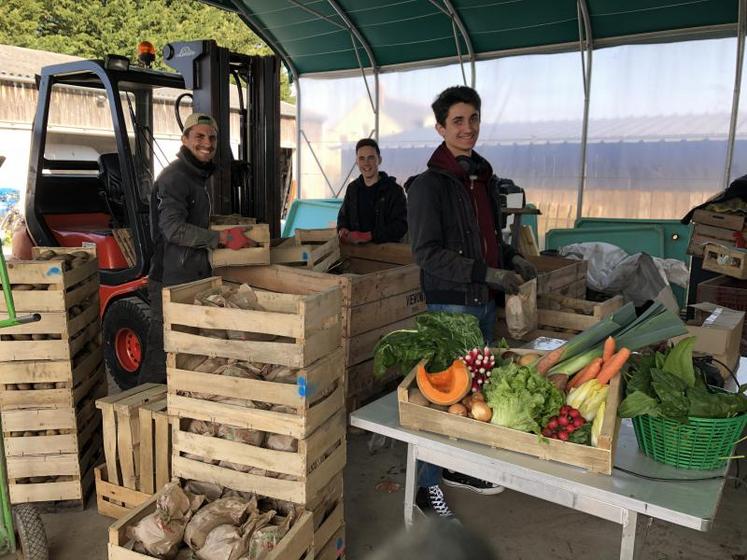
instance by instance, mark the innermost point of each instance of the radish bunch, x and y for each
(480, 363)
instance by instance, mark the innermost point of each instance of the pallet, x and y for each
(317, 250)
(725, 260)
(62, 289)
(72, 381)
(297, 543)
(247, 256)
(122, 434)
(576, 315)
(318, 424)
(596, 459)
(307, 325)
(113, 500)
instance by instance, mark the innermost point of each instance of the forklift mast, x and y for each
(249, 182)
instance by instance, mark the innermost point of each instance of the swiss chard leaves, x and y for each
(679, 361)
(670, 389)
(638, 403)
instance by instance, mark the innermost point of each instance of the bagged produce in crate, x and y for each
(264, 539)
(521, 310)
(232, 510)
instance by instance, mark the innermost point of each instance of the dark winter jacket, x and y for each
(180, 217)
(445, 235)
(390, 220)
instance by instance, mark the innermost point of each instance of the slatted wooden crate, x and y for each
(248, 255)
(380, 293)
(725, 260)
(58, 289)
(597, 459)
(307, 325)
(296, 545)
(560, 275)
(573, 315)
(316, 249)
(318, 424)
(69, 381)
(53, 442)
(136, 431)
(328, 510)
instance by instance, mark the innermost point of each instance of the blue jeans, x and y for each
(430, 475)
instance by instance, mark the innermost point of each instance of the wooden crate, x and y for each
(297, 544)
(248, 255)
(733, 222)
(72, 454)
(557, 273)
(113, 500)
(315, 249)
(64, 288)
(123, 441)
(73, 380)
(725, 260)
(318, 424)
(575, 315)
(381, 293)
(155, 446)
(308, 325)
(329, 520)
(72, 334)
(597, 459)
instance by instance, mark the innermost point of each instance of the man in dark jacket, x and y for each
(180, 222)
(454, 223)
(375, 208)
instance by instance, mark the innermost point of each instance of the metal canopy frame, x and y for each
(585, 46)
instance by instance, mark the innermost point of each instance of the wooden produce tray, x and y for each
(72, 381)
(597, 459)
(725, 260)
(380, 293)
(318, 424)
(298, 543)
(575, 315)
(307, 324)
(63, 336)
(316, 249)
(129, 437)
(248, 255)
(57, 289)
(557, 275)
(113, 500)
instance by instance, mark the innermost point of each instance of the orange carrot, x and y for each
(609, 349)
(589, 372)
(613, 366)
(550, 359)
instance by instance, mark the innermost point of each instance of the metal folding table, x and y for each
(619, 497)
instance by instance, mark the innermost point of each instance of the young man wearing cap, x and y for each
(454, 221)
(180, 221)
(375, 208)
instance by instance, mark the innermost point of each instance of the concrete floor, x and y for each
(518, 527)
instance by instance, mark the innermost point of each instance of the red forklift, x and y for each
(97, 191)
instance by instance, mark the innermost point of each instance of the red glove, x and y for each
(235, 239)
(343, 234)
(357, 237)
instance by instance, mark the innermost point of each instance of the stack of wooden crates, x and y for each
(137, 448)
(298, 329)
(51, 373)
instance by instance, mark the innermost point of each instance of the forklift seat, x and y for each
(110, 178)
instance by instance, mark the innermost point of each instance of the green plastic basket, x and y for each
(702, 444)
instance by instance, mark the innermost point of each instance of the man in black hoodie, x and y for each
(454, 223)
(180, 226)
(374, 208)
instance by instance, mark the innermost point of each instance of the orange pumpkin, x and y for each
(444, 387)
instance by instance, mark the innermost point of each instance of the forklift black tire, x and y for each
(32, 538)
(126, 323)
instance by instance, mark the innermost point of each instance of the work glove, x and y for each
(522, 266)
(343, 234)
(357, 237)
(505, 280)
(235, 239)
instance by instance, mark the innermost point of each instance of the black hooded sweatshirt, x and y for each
(386, 219)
